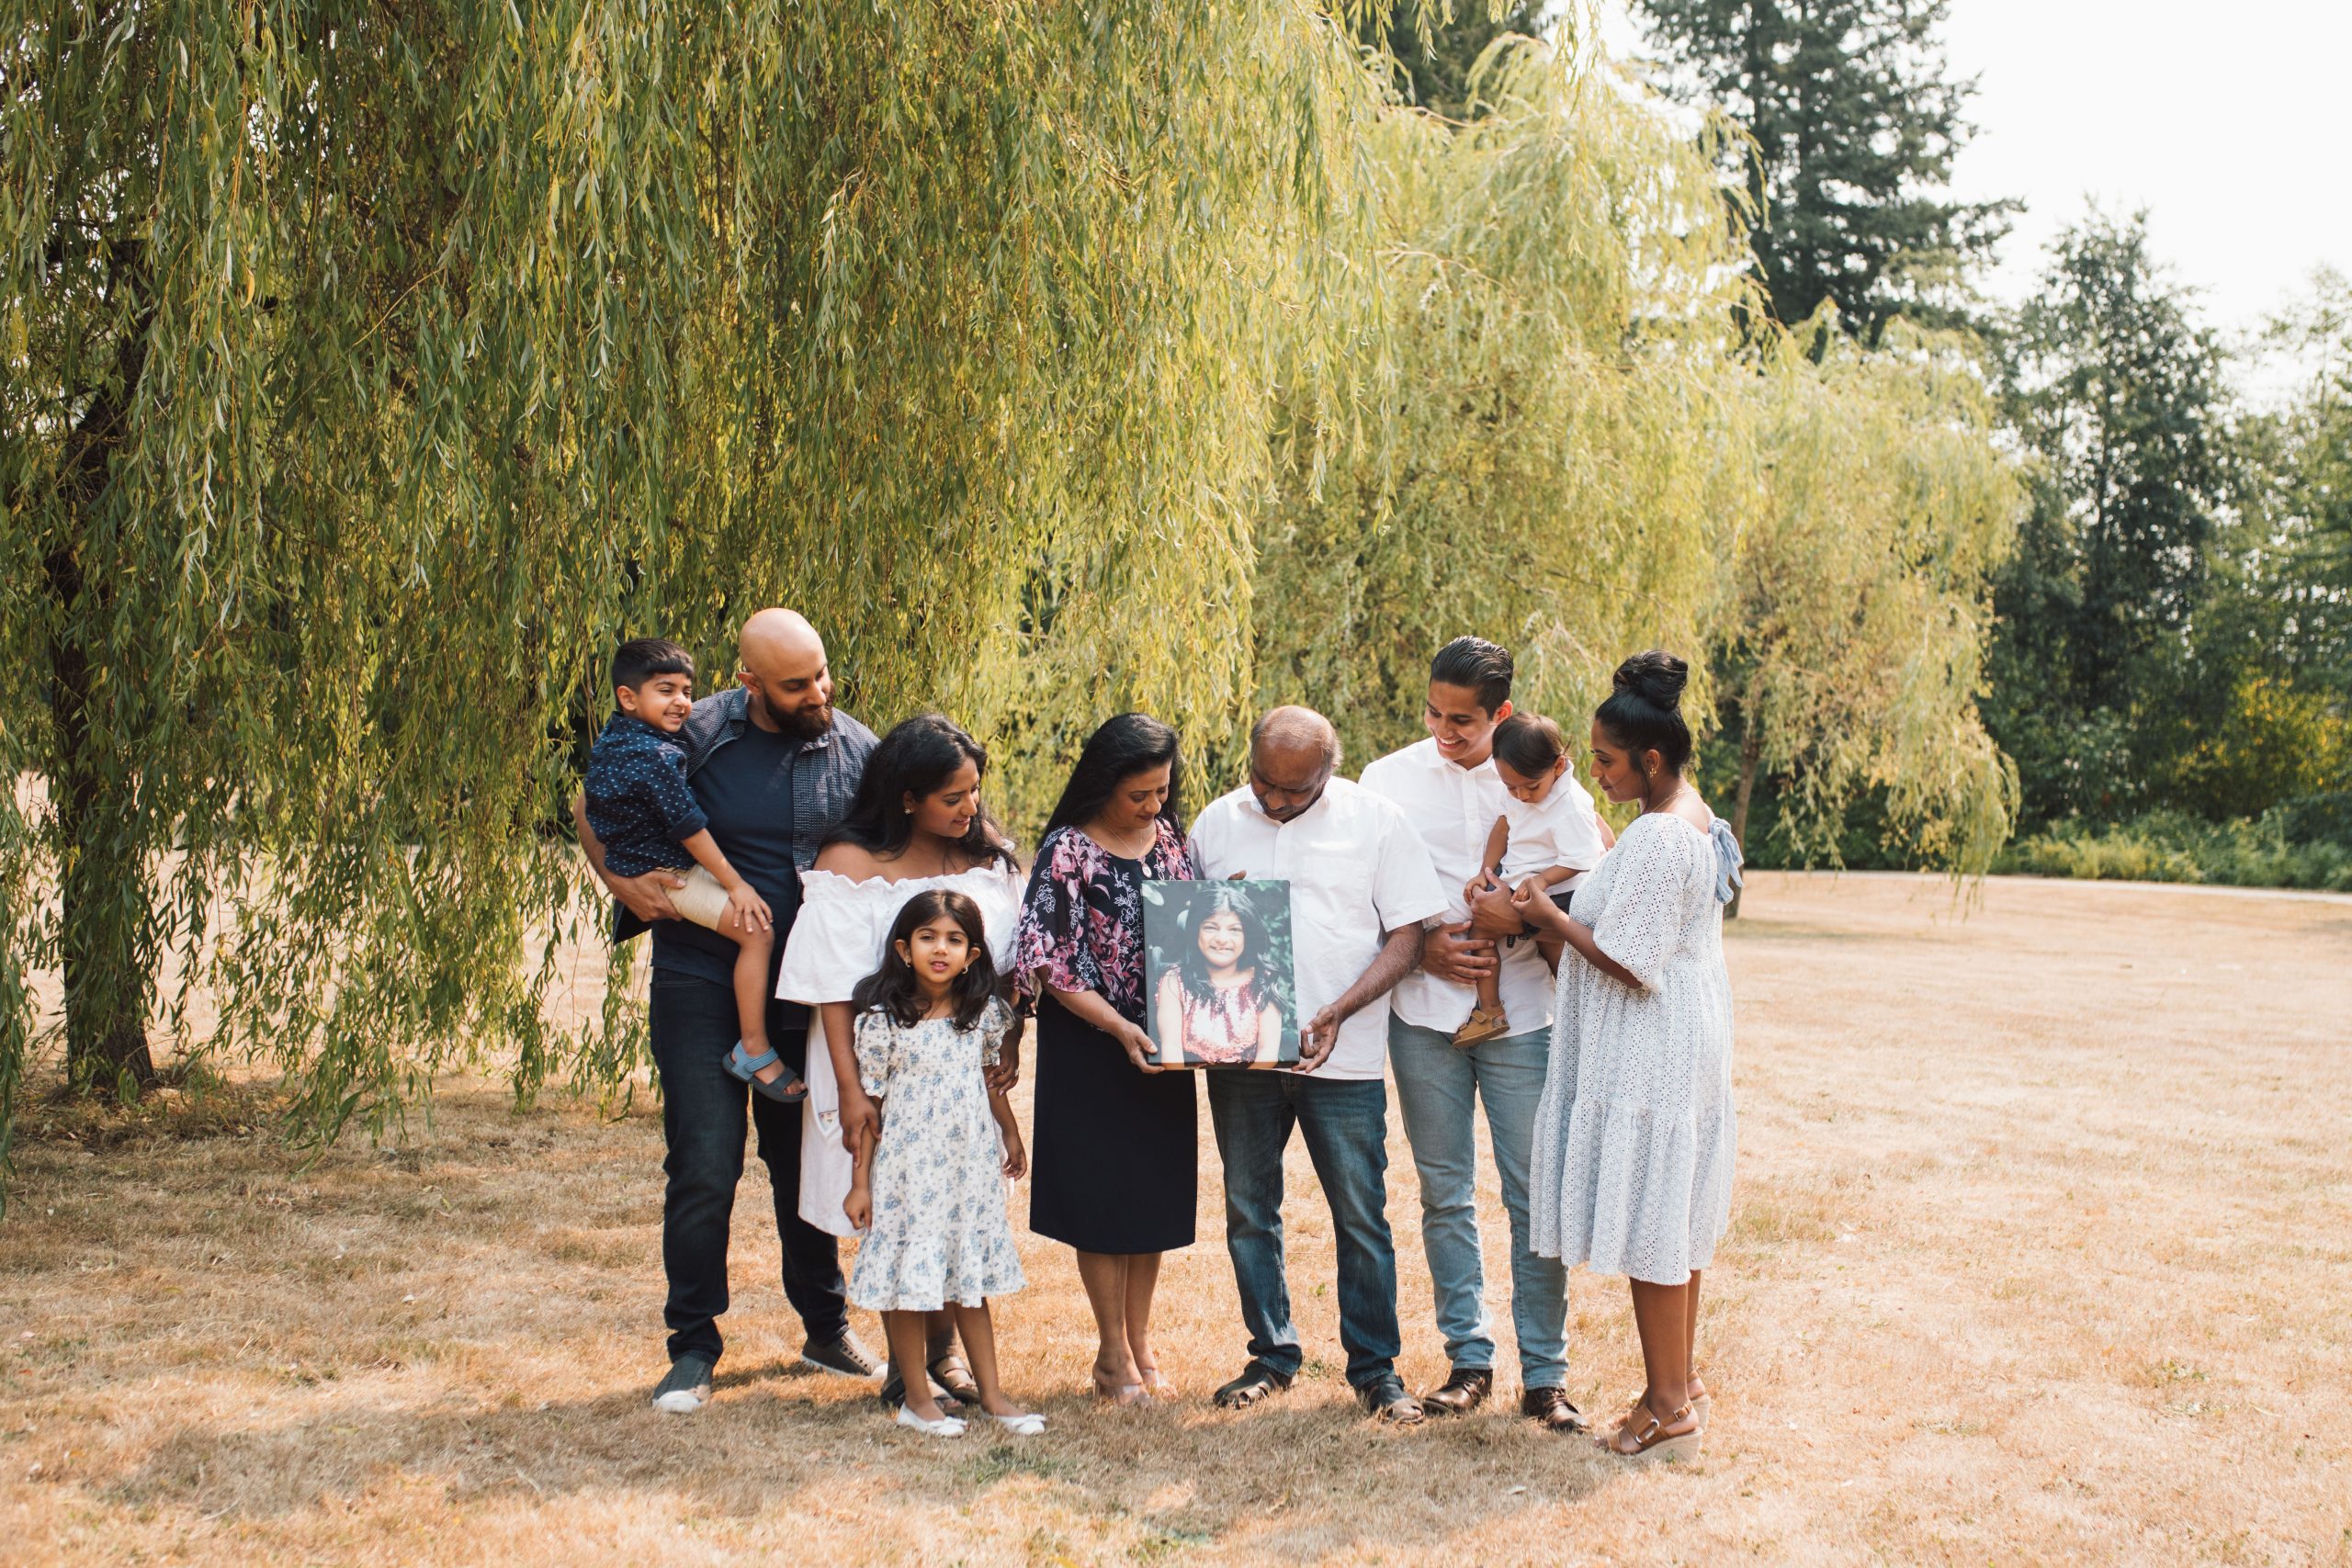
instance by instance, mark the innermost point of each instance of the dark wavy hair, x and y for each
(1644, 711)
(1529, 743)
(891, 989)
(1256, 946)
(1483, 667)
(918, 757)
(1119, 748)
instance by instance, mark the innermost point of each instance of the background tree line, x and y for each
(2166, 665)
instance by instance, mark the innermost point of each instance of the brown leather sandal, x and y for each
(1652, 1441)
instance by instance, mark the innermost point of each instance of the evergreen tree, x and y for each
(2117, 393)
(1436, 46)
(1854, 125)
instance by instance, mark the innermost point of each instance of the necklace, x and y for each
(1141, 838)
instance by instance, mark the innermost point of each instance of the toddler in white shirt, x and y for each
(1549, 835)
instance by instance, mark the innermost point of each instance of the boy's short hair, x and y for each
(642, 659)
(1472, 662)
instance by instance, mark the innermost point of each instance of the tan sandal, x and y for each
(1653, 1441)
(1483, 1025)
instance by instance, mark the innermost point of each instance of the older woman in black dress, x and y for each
(1113, 1159)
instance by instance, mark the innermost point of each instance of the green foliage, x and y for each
(2174, 846)
(371, 369)
(2117, 394)
(1852, 126)
(1436, 47)
(1560, 432)
(1851, 656)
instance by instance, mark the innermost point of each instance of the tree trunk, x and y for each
(1751, 751)
(101, 838)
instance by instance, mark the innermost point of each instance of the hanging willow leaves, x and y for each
(1556, 435)
(372, 368)
(1852, 647)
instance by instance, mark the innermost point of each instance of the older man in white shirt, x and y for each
(1360, 886)
(1449, 790)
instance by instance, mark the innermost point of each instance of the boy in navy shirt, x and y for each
(644, 813)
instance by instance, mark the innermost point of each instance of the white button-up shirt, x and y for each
(1454, 808)
(1356, 869)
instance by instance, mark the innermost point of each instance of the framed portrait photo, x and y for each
(1220, 988)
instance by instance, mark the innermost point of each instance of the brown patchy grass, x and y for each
(2039, 1254)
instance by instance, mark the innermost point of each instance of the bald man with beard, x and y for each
(773, 765)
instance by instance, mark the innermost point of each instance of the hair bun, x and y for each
(1656, 677)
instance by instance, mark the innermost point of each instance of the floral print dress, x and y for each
(1113, 1151)
(940, 1234)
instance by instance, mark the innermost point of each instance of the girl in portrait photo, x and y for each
(1216, 1005)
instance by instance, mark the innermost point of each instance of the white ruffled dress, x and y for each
(837, 940)
(1634, 1136)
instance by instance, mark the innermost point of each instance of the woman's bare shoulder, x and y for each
(844, 858)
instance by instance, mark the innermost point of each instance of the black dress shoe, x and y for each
(1388, 1400)
(1256, 1381)
(1460, 1393)
(1550, 1409)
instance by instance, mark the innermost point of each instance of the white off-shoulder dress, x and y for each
(837, 939)
(1634, 1136)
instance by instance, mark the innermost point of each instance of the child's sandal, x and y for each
(787, 1089)
(1482, 1027)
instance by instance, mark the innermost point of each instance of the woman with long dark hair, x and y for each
(1115, 1163)
(1634, 1135)
(916, 824)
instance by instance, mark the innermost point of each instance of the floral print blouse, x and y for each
(1081, 922)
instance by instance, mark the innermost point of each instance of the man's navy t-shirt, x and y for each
(745, 788)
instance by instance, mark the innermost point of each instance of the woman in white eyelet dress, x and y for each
(1634, 1135)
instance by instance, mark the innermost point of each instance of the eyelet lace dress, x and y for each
(1634, 1135)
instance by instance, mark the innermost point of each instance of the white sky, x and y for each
(2225, 121)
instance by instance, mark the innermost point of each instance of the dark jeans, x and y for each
(1346, 1124)
(702, 1122)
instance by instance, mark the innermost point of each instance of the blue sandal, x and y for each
(789, 1090)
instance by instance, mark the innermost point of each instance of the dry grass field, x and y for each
(2042, 1253)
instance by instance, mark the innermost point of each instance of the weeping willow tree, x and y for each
(1557, 438)
(370, 369)
(1852, 651)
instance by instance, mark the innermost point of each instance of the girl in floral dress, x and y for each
(929, 1193)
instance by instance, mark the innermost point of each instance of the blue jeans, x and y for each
(1346, 1124)
(693, 1023)
(1437, 1085)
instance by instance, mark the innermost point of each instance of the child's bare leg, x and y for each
(751, 950)
(905, 1331)
(1490, 993)
(980, 1349)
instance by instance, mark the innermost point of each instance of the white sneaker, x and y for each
(945, 1426)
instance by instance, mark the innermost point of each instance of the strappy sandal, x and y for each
(1653, 1441)
(1256, 1381)
(950, 1373)
(1481, 1027)
(1126, 1395)
(786, 1090)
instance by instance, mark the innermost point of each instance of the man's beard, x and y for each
(804, 724)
